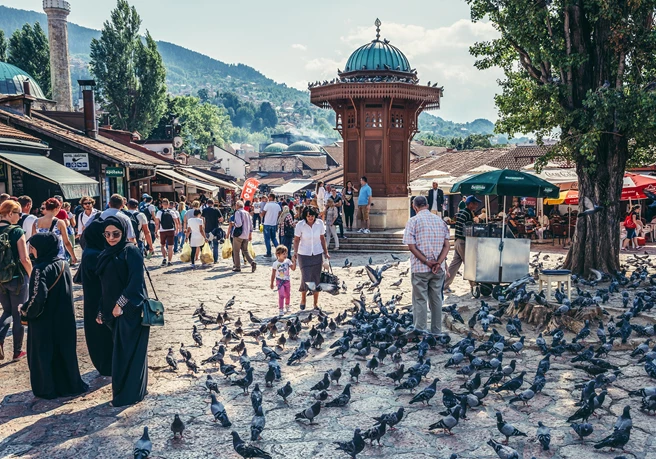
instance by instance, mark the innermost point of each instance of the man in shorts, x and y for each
(364, 202)
(168, 227)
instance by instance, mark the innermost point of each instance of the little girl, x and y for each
(280, 272)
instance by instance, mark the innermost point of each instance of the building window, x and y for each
(397, 120)
(373, 119)
(350, 120)
(282, 168)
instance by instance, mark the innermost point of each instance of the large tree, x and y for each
(129, 72)
(3, 46)
(29, 51)
(583, 70)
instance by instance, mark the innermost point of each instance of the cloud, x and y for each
(323, 66)
(299, 47)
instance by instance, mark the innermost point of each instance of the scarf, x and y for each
(283, 213)
(46, 246)
(110, 252)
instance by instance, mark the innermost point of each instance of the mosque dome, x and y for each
(276, 147)
(377, 56)
(11, 81)
(303, 146)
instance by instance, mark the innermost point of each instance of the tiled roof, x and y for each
(40, 124)
(314, 163)
(330, 177)
(8, 132)
(456, 163)
(336, 151)
(423, 150)
(142, 152)
(519, 157)
(193, 161)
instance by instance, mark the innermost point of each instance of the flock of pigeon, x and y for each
(371, 339)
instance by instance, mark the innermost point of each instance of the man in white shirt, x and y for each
(257, 208)
(168, 226)
(115, 207)
(270, 213)
(87, 214)
(144, 233)
(27, 219)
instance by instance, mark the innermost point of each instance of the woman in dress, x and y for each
(13, 292)
(98, 337)
(52, 336)
(349, 204)
(309, 249)
(121, 270)
(49, 223)
(196, 235)
(320, 193)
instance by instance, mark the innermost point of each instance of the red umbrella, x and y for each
(634, 184)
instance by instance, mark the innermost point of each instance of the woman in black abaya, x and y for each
(51, 338)
(121, 271)
(98, 337)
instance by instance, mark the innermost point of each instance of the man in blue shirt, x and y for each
(364, 201)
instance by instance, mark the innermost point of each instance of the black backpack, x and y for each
(166, 222)
(136, 227)
(8, 263)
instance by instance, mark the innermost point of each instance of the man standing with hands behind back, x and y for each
(427, 237)
(435, 199)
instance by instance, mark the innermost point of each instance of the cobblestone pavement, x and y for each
(87, 426)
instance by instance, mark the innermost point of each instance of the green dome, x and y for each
(11, 81)
(276, 147)
(377, 56)
(302, 146)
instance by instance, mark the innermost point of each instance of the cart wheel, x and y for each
(476, 291)
(497, 291)
(486, 289)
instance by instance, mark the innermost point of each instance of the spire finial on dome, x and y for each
(377, 24)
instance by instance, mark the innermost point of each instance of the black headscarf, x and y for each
(93, 235)
(110, 252)
(46, 246)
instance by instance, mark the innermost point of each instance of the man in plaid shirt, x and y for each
(427, 237)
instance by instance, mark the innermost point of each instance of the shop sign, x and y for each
(114, 172)
(76, 161)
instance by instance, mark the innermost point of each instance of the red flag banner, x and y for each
(249, 189)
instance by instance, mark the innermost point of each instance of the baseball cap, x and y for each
(145, 195)
(471, 199)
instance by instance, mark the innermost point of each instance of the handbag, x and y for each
(153, 309)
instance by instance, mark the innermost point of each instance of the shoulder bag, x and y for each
(153, 309)
(236, 232)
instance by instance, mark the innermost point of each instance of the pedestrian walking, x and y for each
(270, 213)
(427, 237)
(463, 218)
(182, 211)
(331, 218)
(280, 273)
(320, 194)
(349, 204)
(15, 270)
(196, 235)
(140, 227)
(339, 205)
(51, 224)
(147, 208)
(242, 235)
(87, 215)
(121, 270)
(286, 227)
(26, 220)
(49, 312)
(309, 249)
(213, 218)
(167, 226)
(364, 204)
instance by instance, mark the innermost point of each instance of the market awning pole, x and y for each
(487, 207)
(503, 236)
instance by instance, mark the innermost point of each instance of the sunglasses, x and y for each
(86, 203)
(112, 234)
(15, 212)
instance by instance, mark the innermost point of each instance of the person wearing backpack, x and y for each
(147, 208)
(166, 224)
(286, 227)
(631, 225)
(15, 271)
(140, 226)
(26, 220)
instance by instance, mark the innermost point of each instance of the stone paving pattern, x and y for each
(87, 426)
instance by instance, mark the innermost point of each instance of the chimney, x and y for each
(210, 153)
(26, 87)
(60, 73)
(90, 124)
(105, 121)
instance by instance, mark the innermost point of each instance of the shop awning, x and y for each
(179, 178)
(195, 173)
(291, 187)
(73, 184)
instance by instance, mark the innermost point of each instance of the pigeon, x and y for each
(219, 412)
(617, 439)
(143, 446)
(503, 451)
(372, 364)
(410, 384)
(226, 369)
(590, 208)
(425, 395)
(211, 384)
(247, 451)
(268, 352)
(244, 382)
(335, 375)
(524, 396)
(184, 352)
(341, 400)
(323, 384)
(285, 391)
(353, 447)
(397, 375)
(195, 334)
(177, 427)
(191, 365)
(391, 419)
(170, 360)
(648, 404)
(644, 392)
(624, 421)
(508, 430)
(585, 411)
(257, 424)
(512, 385)
(230, 303)
(544, 436)
(448, 422)
(582, 430)
(254, 319)
(310, 413)
(355, 372)
(256, 397)
(375, 433)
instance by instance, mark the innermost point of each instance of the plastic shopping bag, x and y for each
(261, 228)
(206, 256)
(251, 250)
(185, 255)
(226, 249)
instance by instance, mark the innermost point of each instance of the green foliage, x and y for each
(202, 124)
(436, 125)
(129, 73)
(203, 94)
(29, 51)
(3, 46)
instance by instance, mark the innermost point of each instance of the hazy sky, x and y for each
(299, 41)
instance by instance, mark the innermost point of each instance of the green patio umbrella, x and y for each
(506, 182)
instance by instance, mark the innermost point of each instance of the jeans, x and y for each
(427, 293)
(331, 232)
(270, 238)
(256, 222)
(287, 242)
(12, 295)
(151, 227)
(215, 246)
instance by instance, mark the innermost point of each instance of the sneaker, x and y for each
(164, 262)
(170, 263)
(19, 355)
(281, 312)
(268, 255)
(366, 231)
(287, 309)
(361, 230)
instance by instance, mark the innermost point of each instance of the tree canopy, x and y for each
(29, 51)
(584, 70)
(129, 72)
(3, 46)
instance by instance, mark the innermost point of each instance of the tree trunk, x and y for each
(596, 242)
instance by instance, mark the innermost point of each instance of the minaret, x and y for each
(60, 73)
